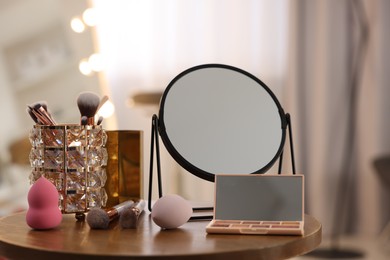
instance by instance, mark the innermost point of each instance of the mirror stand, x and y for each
(154, 143)
(288, 125)
(154, 139)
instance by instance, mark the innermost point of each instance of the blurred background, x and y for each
(326, 61)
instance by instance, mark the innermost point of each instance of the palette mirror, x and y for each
(216, 118)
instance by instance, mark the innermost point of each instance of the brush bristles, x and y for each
(42, 103)
(100, 120)
(128, 218)
(29, 111)
(84, 120)
(98, 219)
(88, 103)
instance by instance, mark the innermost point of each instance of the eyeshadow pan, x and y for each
(251, 222)
(220, 225)
(240, 226)
(260, 226)
(284, 226)
(270, 222)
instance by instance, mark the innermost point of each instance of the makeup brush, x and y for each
(29, 111)
(38, 112)
(42, 111)
(88, 103)
(129, 217)
(100, 120)
(43, 103)
(42, 119)
(84, 120)
(100, 218)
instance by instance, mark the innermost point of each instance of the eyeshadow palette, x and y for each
(258, 205)
(256, 227)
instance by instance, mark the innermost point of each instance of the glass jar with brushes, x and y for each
(74, 158)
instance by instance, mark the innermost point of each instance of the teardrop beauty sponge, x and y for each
(43, 211)
(171, 211)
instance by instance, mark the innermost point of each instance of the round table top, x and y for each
(75, 240)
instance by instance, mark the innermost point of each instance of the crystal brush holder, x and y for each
(74, 159)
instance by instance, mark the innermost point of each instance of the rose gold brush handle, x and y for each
(43, 112)
(116, 210)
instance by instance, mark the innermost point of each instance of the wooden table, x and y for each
(75, 240)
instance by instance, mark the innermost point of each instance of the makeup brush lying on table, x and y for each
(88, 103)
(129, 217)
(100, 218)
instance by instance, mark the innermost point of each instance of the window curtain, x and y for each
(338, 54)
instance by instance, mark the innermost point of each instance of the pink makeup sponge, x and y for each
(171, 211)
(43, 211)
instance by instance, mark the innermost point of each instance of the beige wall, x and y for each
(39, 56)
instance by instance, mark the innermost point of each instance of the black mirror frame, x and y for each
(185, 163)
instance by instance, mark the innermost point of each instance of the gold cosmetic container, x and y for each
(124, 166)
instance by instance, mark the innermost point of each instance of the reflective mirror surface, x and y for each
(220, 119)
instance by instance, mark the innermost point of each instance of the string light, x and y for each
(85, 67)
(89, 17)
(107, 109)
(77, 25)
(96, 62)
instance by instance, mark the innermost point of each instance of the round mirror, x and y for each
(220, 119)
